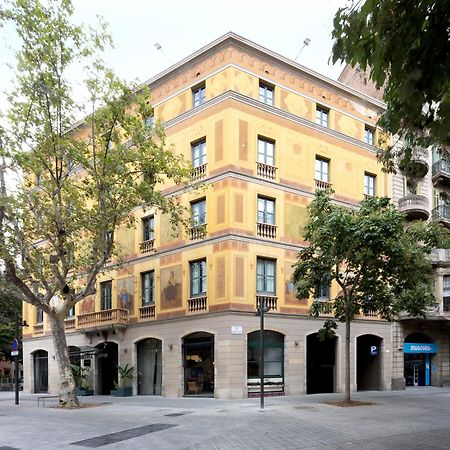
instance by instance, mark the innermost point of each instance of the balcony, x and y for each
(442, 214)
(414, 206)
(147, 312)
(38, 328)
(441, 172)
(266, 171)
(198, 173)
(269, 300)
(197, 232)
(417, 166)
(147, 246)
(197, 304)
(266, 230)
(108, 318)
(322, 185)
(440, 257)
(69, 323)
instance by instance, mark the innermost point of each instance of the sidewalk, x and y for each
(415, 418)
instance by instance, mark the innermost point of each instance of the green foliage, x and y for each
(377, 263)
(83, 182)
(10, 305)
(125, 375)
(405, 45)
(80, 375)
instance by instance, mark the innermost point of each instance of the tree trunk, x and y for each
(347, 360)
(67, 395)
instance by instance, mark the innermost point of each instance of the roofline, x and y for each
(231, 36)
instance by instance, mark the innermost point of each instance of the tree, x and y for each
(376, 263)
(405, 46)
(82, 182)
(10, 305)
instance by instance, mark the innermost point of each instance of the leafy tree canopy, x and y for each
(378, 265)
(405, 46)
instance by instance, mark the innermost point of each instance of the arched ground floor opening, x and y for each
(418, 350)
(107, 374)
(273, 362)
(40, 371)
(368, 362)
(198, 363)
(320, 364)
(149, 366)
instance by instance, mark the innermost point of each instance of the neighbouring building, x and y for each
(422, 192)
(263, 133)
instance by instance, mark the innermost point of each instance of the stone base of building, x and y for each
(398, 384)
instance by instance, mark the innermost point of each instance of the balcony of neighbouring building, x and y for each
(69, 323)
(440, 257)
(266, 230)
(147, 246)
(441, 172)
(266, 171)
(197, 304)
(269, 300)
(414, 206)
(147, 312)
(417, 166)
(105, 319)
(442, 214)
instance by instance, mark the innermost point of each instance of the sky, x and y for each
(183, 27)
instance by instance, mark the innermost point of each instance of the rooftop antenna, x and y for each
(306, 42)
(158, 47)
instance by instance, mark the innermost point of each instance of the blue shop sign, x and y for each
(412, 347)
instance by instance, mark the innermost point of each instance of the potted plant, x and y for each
(123, 387)
(80, 374)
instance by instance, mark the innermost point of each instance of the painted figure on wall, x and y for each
(87, 305)
(290, 297)
(125, 293)
(171, 287)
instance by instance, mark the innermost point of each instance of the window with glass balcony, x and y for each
(106, 295)
(148, 288)
(39, 316)
(322, 173)
(446, 293)
(198, 219)
(369, 184)
(266, 158)
(198, 151)
(148, 228)
(266, 217)
(198, 95)
(266, 93)
(322, 292)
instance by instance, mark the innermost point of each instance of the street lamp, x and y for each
(262, 308)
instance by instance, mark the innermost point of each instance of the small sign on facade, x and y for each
(374, 350)
(15, 353)
(236, 329)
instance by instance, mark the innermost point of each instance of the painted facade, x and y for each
(263, 134)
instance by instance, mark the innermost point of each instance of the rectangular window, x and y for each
(37, 179)
(322, 169)
(71, 312)
(323, 291)
(149, 121)
(322, 116)
(446, 293)
(266, 151)
(106, 295)
(148, 288)
(266, 210)
(265, 276)
(199, 153)
(369, 135)
(198, 96)
(39, 315)
(198, 210)
(369, 184)
(148, 228)
(266, 94)
(198, 278)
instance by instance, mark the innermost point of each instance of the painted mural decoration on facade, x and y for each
(87, 305)
(171, 287)
(125, 297)
(289, 286)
